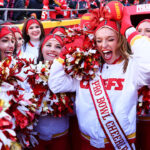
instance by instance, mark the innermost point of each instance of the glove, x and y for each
(125, 22)
(63, 53)
(113, 11)
(77, 43)
(57, 8)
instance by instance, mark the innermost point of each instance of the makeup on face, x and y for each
(106, 41)
(7, 45)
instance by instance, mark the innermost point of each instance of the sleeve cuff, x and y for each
(60, 60)
(129, 31)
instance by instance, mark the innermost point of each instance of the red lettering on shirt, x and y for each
(115, 83)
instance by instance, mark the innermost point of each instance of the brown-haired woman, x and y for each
(106, 105)
(33, 33)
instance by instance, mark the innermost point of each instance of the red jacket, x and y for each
(1, 2)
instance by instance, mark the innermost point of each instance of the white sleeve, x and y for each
(140, 46)
(59, 81)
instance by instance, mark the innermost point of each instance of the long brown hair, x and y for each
(26, 36)
(124, 50)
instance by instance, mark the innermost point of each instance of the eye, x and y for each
(48, 45)
(4, 40)
(58, 46)
(98, 41)
(37, 27)
(30, 27)
(13, 41)
(148, 30)
(20, 38)
(111, 39)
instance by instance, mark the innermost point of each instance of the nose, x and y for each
(104, 44)
(11, 45)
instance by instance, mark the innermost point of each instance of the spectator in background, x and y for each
(93, 4)
(35, 4)
(1, 6)
(16, 15)
(58, 5)
(82, 4)
(98, 3)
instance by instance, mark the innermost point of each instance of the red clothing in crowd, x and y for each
(1, 2)
(60, 5)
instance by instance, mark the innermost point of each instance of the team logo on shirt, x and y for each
(111, 83)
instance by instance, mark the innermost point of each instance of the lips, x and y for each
(107, 54)
(35, 33)
(8, 53)
(51, 54)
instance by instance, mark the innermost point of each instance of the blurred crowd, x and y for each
(59, 8)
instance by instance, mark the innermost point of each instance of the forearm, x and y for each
(59, 81)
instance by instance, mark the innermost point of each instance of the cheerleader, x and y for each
(106, 105)
(32, 32)
(7, 42)
(143, 110)
(19, 39)
(61, 31)
(52, 131)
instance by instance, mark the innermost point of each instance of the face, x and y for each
(60, 34)
(7, 45)
(106, 41)
(144, 29)
(51, 49)
(19, 40)
(34, 32)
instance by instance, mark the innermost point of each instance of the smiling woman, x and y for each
(50, 48)
(52, 131)
(7, 42)
(32, 32)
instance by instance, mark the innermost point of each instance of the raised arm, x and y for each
(59, 81)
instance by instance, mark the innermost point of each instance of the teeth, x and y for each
(9, 52)
(106, 52)
(51, 55)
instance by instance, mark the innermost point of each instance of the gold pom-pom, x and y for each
(15, 146)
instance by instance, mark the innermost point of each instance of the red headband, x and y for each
(4, 31)
(145, 20)
(31, 21)
(62, 30)
(58, 38)
(16, 29)
(109, 24)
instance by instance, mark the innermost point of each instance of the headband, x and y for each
(107, 23)
(4, 31)
(58, 38)
(31, 21)
(62, 30)
(16, 29)
(145, 20)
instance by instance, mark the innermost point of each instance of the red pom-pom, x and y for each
(113, 10)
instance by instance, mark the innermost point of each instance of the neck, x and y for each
(118, 60)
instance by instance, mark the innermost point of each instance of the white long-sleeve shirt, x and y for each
(121, 89)
(30, 52)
